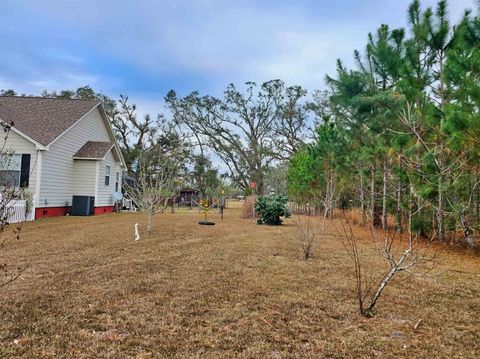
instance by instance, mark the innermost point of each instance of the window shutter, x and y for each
(25, 170)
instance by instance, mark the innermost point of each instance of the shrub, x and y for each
(270, 209)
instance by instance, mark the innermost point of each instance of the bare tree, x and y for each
(10, 190)
(242, 128)
(291, 127)
(307, 234)
(400, 256)
(133, 134)
(152, 187)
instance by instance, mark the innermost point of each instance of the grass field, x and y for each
(231, 290)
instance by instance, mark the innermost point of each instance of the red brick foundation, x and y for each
(44, 212)
(104, 209)
(51, 212)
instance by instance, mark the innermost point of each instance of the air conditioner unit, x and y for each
(83, 205)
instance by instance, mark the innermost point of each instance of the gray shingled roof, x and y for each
(42, 119)
(94, 150)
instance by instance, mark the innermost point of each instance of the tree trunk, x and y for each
(440, 212)
(368, 311)
(441, 162)
(477, 204)
(329, 195)
(259, 183)
(149, 222)
(373, 200)
(399, 205)
(362, 201)
(372, 194)
(384, 197)
(325, 206)
(332, 194)
(466, 230)
(386, 279)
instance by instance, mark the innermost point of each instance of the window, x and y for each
(117, 181)
(10, 169)
(107, 175)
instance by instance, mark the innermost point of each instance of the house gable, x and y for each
(57, 178)
(117, 152)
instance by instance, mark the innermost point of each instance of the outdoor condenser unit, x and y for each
(83, 205)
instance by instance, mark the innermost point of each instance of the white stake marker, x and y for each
(137, 233)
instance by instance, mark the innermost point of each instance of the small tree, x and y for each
(270, 209)
(9, 191)
(400, 258)
(307, 233)
(152, 187)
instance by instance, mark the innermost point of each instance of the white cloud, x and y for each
(216, 41)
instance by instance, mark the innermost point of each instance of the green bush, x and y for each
(270, 209)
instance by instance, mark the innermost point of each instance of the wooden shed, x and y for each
(187, 197)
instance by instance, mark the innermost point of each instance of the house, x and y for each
(61, 148)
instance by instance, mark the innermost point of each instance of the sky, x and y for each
(145, 48)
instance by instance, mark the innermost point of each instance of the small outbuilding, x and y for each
(187, 197)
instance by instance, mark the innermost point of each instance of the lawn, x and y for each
(231, 290)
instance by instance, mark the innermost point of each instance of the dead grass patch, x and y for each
(230, 290)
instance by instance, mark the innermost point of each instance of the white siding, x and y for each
(84, 175)
(105, 193)
(20, 145)
(57, 183)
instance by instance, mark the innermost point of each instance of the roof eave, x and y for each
(88, 158)
(37, 144)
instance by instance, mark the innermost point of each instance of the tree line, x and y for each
(399, 134)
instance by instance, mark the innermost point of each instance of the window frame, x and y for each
(117, 181)
(108, 170)
(11, 167)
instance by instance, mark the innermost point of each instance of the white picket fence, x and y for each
(16, 211)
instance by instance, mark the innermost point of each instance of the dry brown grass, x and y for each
(231, 290)
(351, 216)
(248, 208)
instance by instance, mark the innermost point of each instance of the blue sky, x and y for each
(144, 48)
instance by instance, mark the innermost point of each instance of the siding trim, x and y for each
(97, 178)
(38, 177)
(87, 159)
